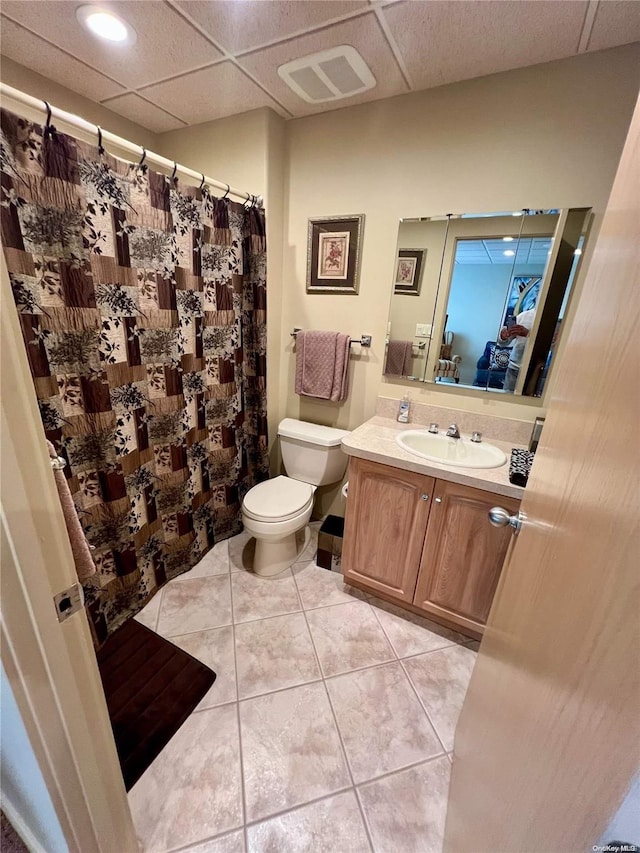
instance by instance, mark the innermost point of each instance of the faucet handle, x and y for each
(476, 437)
(433, 428)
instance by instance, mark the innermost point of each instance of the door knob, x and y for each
(424, 497)
(499, 517)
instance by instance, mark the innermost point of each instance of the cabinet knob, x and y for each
(438, 500)
(424, 497)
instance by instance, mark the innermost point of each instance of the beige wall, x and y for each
(546, 136)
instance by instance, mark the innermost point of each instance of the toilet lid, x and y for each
(279, 498)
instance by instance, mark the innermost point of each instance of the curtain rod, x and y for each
(150, 157)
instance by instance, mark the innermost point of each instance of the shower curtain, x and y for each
(143, 309)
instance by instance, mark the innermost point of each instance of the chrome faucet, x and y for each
(453, 431)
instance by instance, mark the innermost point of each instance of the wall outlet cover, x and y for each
(423, 330)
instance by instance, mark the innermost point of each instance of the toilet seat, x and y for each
(280, 499)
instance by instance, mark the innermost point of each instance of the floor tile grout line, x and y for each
(423, 704)
(190, 847)
(413, 687)
(390, 773)
(348, 764)
(343, 790)
(237, 704)
(335, 722)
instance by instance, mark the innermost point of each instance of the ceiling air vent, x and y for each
(329, 75)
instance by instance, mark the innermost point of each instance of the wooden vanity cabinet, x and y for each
(463, 554)
(425, 542)
(386, 519)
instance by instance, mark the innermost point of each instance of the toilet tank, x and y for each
(312, 453)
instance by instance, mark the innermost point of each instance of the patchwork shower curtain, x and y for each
(143, 308)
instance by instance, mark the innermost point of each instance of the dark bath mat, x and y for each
(151, 687)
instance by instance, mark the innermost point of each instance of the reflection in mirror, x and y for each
(491, 304)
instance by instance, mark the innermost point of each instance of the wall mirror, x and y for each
(479, 301)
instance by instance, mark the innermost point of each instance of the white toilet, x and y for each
(275, 510)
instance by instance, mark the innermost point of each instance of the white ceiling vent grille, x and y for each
(329, 75)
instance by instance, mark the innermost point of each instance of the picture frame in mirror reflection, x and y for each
(409, 266)
(334, 248)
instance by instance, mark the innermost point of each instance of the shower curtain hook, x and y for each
(227, 191)
(49, 129)
(174, 177)
(101, 150)
(143, 158)
(202, 183)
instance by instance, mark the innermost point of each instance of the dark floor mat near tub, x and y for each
(151, 687)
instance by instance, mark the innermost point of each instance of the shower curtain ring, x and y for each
(202, 183)
(143, 158)
(227, 191)
(173, 174)
(100, 146)
(49, 129)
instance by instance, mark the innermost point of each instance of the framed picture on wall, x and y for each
(409, 271)
(333, 254)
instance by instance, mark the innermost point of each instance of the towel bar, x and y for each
(363, 340)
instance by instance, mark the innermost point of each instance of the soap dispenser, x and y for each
(403, 410)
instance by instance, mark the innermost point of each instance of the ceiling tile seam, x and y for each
(105, 103)
(395, 50)
(66, 53)
(587, 26)
(339, 19)
(179, 74)
(222, 61)
(227, 56)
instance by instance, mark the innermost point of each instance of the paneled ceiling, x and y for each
(526, 251)
(195, 60)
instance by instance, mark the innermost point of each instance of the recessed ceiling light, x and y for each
(105, 24)
(508, 239)
(509, 253)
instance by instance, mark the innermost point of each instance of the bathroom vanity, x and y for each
(417, 533)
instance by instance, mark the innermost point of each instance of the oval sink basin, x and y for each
(459, 452)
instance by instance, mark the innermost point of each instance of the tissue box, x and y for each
(329, 553)
(520, 466)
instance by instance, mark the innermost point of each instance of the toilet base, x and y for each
(273, 556)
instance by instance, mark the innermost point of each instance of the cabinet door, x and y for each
(386, 520)
(463, 554)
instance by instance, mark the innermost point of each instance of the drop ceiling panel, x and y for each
(209, 94)
(363, 33)
(166, 43)
(446, 42)
(616, 22)
(40, 56)
(239, 26)
(134, 107)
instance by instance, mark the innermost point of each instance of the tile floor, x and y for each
(329, 726)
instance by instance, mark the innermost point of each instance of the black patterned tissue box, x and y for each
(520, 466)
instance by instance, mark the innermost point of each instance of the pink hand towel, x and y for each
(398, 358)
(322, 364)
(85, 567)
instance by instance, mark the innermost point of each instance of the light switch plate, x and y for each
(423, 330)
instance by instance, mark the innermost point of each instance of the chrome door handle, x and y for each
(499, 517)
(424, 497)
(438, 500)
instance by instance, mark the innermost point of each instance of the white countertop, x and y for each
(376, 440)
